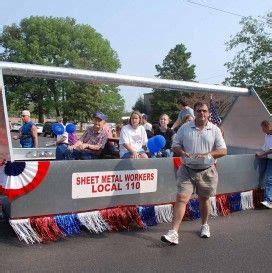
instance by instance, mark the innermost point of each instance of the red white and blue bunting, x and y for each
(19, 178)
(126, 218)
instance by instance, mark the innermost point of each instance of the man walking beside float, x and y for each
(199, 143)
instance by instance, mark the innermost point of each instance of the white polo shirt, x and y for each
(192, 140)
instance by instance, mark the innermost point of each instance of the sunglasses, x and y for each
(201, 110)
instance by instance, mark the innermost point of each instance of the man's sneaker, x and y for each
(170, 237)
(267, 204)
(205, 231)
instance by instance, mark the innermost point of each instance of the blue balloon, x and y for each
(70, 128)
(57, 128)
(155, 144)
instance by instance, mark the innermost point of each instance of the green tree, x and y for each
(140, 105)
(252, 65)
(59, 42)
(112, 103)
(175, 66)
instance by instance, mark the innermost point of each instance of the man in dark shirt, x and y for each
(28, 134)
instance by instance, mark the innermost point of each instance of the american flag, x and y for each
(214, 115)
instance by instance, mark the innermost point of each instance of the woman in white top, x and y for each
(133, 138)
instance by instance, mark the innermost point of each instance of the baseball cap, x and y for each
(100, 115)
(25, 113)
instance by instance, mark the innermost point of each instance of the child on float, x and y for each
(133, 138)
(167, 133)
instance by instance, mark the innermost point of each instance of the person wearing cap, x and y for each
(92, 142)
(28, 134)
(184, 110)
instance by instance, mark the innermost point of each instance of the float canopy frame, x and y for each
(235, 122)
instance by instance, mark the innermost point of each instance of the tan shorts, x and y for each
(203, 182)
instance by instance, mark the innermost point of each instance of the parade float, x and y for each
(48, 199)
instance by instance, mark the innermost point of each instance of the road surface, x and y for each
(240, 242)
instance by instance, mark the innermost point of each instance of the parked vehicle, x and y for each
(47, 129)
(15, 127)
(39, 128)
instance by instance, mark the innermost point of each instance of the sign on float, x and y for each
(98, 184)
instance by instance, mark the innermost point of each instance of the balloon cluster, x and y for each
(155, 144)
(59, 129)
(70, 128)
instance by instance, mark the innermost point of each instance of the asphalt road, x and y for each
(240, 242)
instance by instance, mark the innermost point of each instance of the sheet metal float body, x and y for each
(57, 193)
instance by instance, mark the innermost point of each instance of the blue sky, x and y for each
(143, 31)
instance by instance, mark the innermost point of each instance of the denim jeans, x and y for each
(166, 153)
(262, 164)
(61, 152)
(163, 153)
(268, 180)
(85, 155)
(129, 154)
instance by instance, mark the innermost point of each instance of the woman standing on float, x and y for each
(133, 138)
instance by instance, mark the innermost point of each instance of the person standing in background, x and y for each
(266, 154)
(184, 110)
(145, 123)
(28, 134)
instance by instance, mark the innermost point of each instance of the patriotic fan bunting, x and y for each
(43, 229)
(19, 178)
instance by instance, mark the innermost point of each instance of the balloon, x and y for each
(57, 128)
(70, 128)
(155, 144)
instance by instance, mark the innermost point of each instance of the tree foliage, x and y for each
(140, 105)
(175, 66)
(252, 65)
(60, 42)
